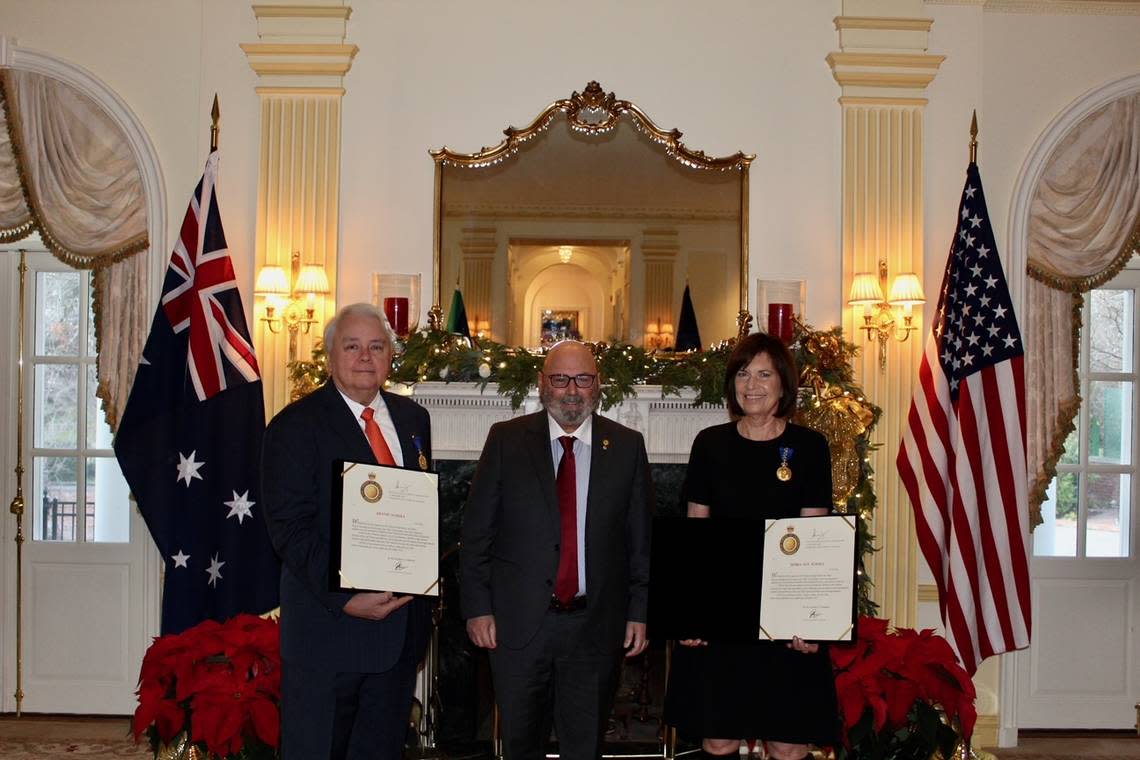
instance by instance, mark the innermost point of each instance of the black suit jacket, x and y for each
(511, 531)
(301, 443)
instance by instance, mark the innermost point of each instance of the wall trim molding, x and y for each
(885, 23)
(1052, 7)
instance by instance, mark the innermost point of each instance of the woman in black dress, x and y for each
(759, 466)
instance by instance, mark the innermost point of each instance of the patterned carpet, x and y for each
(63, 737)
(38, 738)
(1117, 747)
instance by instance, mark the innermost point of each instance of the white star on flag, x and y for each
(188, 468)
(180, 559)
(240, 507)
(214, 571)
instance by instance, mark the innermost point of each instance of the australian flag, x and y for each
(189, 442)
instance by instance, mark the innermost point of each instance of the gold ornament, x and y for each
(842, 419)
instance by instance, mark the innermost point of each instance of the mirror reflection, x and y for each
(590, 223)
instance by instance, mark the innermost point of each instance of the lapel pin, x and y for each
(605, 443)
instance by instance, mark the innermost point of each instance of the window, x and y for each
(1088, 507)
(78, 492)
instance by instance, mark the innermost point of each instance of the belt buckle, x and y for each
(576, 604)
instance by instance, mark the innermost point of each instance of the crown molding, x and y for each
(1052, 7)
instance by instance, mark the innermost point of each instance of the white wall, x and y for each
(739, 75)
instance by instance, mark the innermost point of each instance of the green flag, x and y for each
(457, 316)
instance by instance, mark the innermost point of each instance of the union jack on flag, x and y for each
(189, 443)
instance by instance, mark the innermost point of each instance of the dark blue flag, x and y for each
(189, 442)
(688, 334)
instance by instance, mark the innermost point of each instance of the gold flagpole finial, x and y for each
(215, 114)
(974, 138)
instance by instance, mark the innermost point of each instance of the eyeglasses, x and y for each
(561, 381)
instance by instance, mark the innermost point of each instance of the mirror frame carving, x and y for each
(591, 112)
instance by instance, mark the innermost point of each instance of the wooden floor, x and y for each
(38, 737)
(1050, 745)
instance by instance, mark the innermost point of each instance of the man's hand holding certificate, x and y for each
(386, 536)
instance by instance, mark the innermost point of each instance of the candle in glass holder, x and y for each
(396, 310)
(780, 321)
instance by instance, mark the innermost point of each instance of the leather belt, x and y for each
(577, 604)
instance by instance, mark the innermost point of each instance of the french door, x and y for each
(1082, 669)
(89, 570)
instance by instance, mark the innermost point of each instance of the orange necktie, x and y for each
(376, 440)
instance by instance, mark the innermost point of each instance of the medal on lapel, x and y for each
(421, 460)
(784, 472)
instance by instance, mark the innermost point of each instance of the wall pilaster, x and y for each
(300, 59)
(883, 70)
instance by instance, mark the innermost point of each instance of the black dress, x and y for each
(754, 690)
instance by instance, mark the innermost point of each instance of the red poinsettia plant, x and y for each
(216, 687)
(902, 694)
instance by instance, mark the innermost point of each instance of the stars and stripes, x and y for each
(189, 443)
(962, 457)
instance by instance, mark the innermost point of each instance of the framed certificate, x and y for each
(738, 580)
(808, 584)
(384, 534)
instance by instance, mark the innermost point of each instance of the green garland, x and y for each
(828, 393)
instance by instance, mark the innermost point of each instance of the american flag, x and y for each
(189, 443)
(962, 457)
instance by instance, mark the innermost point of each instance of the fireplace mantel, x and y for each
(461, 415)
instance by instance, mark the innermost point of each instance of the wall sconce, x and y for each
(658, 336)
(881, 315)
(482, 328)
(309, 281)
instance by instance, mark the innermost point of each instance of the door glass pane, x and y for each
(98, 432)
(108, 501)
(1072, 452)
(91, 347)
(1108, 508)
(54, 491)
(57, 394)
(1110, 422)
(1110, 331)
(58, 300)
(1056, 536)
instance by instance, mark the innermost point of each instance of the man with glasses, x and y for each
(555, 560)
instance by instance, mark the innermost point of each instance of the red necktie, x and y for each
(376, 440)
(566, 583)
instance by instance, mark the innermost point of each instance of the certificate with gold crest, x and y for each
(808, 587)
(384, 534)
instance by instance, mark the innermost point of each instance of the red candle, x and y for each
(396, 310)
(780, 321)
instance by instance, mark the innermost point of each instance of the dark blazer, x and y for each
(301, 443)
(511, 530)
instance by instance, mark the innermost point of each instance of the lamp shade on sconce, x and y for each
(272, 281)
(906, 290)
(865, 290)
(312, 279)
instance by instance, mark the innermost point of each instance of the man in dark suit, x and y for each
(555, 560)
(349, 660)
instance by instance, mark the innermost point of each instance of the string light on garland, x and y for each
(829, 400)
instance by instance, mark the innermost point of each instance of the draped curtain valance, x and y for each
(1084, 226)
(67, 173)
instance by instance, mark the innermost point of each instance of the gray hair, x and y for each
(359, 310)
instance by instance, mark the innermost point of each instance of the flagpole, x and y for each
(966, 749)
(215, 114)
(974, 138)
(17, 506)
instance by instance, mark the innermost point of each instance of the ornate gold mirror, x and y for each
(589, 223)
